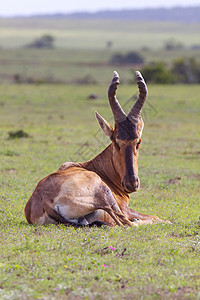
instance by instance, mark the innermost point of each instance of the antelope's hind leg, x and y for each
(57, 214)
(78, 222)
(70, 196)
(92, 204)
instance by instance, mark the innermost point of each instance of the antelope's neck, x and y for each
(104, 166)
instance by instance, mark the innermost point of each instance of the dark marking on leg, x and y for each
(97, 224)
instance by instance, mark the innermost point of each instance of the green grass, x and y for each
(55, 262)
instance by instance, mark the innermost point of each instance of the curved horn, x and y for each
(137, 107)
(119, 114)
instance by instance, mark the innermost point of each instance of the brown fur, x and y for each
(98, 190)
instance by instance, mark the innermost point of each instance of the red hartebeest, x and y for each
(97, 191)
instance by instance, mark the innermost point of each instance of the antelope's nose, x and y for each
(132, 185)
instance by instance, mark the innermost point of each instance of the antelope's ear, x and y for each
(105, 126)
(140, 126)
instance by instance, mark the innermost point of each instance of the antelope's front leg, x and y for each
(105, 200)
(145, 219)
(141, 218)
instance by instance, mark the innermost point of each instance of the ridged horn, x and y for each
(137, 107)
(119, 114)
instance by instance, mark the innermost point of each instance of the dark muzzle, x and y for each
(132, 185)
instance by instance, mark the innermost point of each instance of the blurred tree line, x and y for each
(45, 41)
(131, 57)
(182, 70)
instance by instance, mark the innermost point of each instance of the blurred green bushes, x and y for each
(181, 70)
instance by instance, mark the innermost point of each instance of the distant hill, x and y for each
(178, 14)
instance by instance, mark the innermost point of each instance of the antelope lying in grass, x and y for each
(97, 191)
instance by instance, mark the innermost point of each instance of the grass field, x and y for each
(74, 66)
(55, 262)
(81, 52)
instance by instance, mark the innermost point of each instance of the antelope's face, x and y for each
(127, 140)
(126, 136)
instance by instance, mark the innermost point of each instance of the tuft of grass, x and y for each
(9, 153)
(18, 134)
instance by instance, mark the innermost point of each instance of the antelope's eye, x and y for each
(138, 144)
